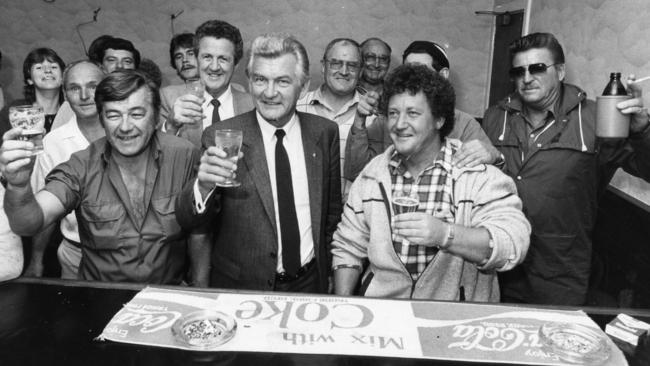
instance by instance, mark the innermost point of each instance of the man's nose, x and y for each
(527, 78)
(84, 94)
(215, 65)
(270, 90)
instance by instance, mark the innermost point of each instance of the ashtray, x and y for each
(574, 343)
(204, 329)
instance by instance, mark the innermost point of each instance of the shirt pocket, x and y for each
(104, 223)
(166, 213)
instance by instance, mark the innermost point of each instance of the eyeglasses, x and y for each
(371, 58)
(336, 65)
(533, 69)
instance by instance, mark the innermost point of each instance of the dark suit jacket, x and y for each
(242, 103)
(242, 219)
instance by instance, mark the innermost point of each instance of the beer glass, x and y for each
(230, 142)
(404, 202)
(195, 87)
(31, 119)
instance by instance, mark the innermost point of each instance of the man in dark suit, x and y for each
(219, 48)
(272, 232)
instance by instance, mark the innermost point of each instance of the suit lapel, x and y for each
(314, 163)
(255, 163)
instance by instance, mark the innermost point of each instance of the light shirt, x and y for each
(63, 115)
(292, 143)
(314, 102)
(226, 107)
(58, 146)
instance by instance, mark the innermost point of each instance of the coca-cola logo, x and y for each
(495, 337)
(149, 320)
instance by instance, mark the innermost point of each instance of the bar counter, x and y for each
(50, 321)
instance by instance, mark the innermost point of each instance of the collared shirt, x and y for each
(115, 245)
(314, 102)
(226, 107)
(535, 133)
(292, 142)
(434, 188)
(58, 146)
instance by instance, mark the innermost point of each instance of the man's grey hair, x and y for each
(274, 45)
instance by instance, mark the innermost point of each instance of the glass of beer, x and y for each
(404, 202)
(195, 87)
(31, 119)
(230, 142)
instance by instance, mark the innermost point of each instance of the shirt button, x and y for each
(539, 145)
(519, 177)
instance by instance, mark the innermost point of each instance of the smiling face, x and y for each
(129, 123)
(539, 90)
(45, 75)
(216, 61)
(412, 127)
(276, 88)
(118, 60)
(80, 85)
(376, 60)
(185, 63)
(341, 69)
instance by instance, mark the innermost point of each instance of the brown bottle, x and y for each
(615, 87)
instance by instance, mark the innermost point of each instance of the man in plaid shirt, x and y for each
(468, 223)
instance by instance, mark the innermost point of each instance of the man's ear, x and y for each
(561, 71)
(444, 72)
(439, 123)
(305, 88)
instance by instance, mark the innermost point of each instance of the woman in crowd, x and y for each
(42, 74)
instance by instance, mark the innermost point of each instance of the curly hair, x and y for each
(414, 78)
(220, 29)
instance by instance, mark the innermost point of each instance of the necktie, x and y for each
(286, 208)
(215, 113)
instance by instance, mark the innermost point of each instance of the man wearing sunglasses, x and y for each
(336, 99)
(546, 133)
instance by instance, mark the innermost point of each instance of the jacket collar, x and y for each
(378, 167)
(570, 97)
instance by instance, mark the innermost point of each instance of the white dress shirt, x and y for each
(226, 107)
(292, 143)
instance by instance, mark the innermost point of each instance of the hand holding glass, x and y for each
(32, 121)
(404, 202)
(230, 142)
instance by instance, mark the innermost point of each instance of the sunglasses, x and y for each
(533, 69)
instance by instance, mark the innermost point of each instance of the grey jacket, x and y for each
(482, 197)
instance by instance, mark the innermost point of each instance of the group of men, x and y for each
(318, 170)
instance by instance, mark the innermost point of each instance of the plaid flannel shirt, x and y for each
(434, 188)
